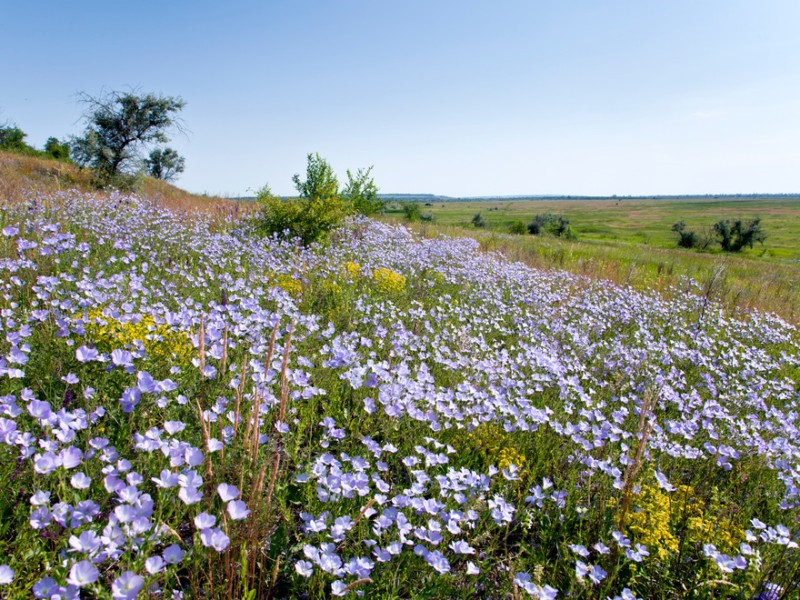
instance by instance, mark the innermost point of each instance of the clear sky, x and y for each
(460, 98)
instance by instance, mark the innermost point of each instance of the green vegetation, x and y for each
(735, 235)
(164, 164)
(12, 139)
(557, 225)
(362, 192)
(119, 126)
(320, 207)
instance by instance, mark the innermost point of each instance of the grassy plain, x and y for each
(629, 242)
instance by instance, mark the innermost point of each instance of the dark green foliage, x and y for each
(362, 192)
(686, 239)
(735, 235)
(411, 210)
(164, 164)
(12, 138)
(320, 183)
(557, 225)
(313, 215)
(479, 221)
(518, 228)
(53, 148)
(120, 125)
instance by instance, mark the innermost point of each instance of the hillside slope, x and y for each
(200, 412)
(22, 175)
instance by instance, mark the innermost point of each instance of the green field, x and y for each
(641, 221)
(629, 241)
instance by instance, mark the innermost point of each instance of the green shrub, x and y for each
(517, 227)
(53, 148)
(686, 238)
(735, 235)
(411, 210)
(309, 219)
(557, 225)
(479, 221)
(362, 192)
(313, 215)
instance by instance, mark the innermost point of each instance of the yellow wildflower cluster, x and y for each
(389, 281)
(658, 520)
(353, 269)
(161, 342)
(290, 285)
(491, 441)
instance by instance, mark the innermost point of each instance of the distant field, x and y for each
(630, 242)
(641, 221)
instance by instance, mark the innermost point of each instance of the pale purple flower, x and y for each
(227, 492)
(127, 586)
(154, 564)
(214, 538)
(190, 495)
(6, 574)
(80, 481)
(205, 520)
(304, 568)
(663, 483)
(237, 510)
(86, 354)
(173, 554)
(82, 574)
(70, 457)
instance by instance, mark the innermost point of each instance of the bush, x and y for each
(557, 225)
(313, 215)
(53, 148)
(12, 138)
(479, 221)
(735, 235)
(411, 210)
(362, 192)
(517, 227)
(686, 239)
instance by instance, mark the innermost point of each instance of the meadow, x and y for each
(629, 242)
(188, 409)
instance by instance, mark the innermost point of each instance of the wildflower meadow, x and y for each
(189, 409)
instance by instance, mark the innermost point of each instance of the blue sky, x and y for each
(457, 98)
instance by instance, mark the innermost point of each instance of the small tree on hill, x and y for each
(120, 125)
(56, 149)
(164, 164)
(12, 138)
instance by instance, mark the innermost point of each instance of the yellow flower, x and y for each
(389, 281)
(353, 268)
(161, 342)
(290, 285)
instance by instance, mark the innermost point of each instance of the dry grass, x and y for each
(21, 176)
